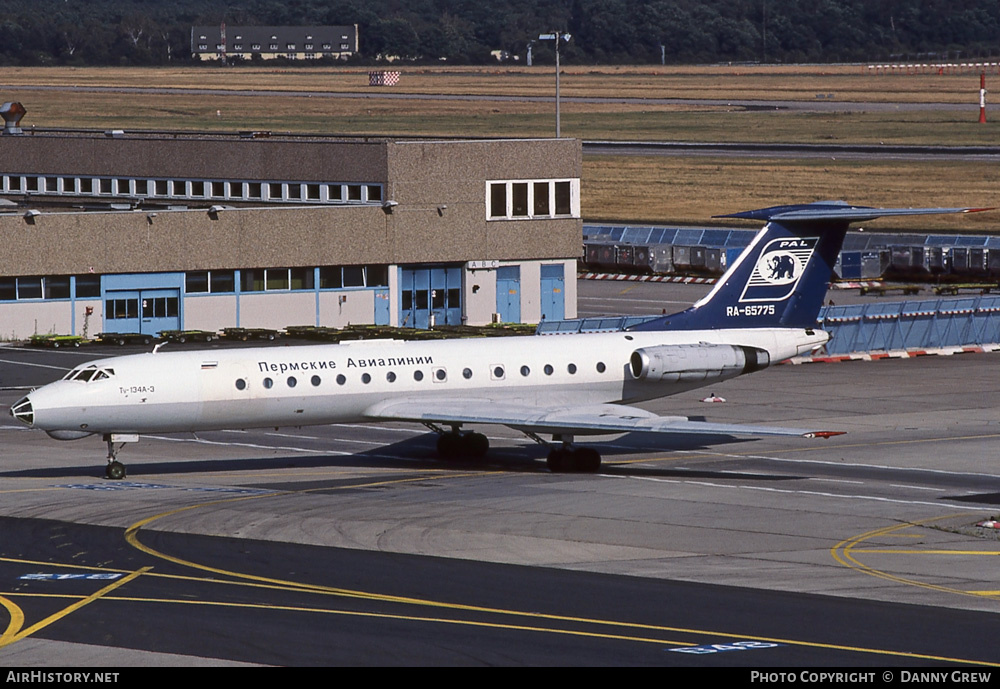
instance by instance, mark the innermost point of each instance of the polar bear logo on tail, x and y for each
(781, 267)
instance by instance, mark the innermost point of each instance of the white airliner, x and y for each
(762, 311)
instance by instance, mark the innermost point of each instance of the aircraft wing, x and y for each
(589, 420)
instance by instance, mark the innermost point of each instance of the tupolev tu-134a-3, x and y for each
(761, 312)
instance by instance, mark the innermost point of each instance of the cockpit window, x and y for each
(89, 373)
(85, 374)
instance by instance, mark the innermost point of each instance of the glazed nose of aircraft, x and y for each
(23, 411)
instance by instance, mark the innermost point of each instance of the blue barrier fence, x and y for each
(918, 324)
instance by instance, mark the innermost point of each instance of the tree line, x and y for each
(157, 32)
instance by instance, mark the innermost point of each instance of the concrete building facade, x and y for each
(142, 232)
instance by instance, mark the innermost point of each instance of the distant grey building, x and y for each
(269, 42)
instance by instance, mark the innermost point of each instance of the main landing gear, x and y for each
(568, 459)
(456, 445)
(115, 470)
(563, 458)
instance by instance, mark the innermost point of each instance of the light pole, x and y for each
(556, 36)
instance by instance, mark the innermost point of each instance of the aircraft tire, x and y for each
(582, 460)
(588, 460)
(115, 471)
(475, 445)
(558, 460)
(449, 445)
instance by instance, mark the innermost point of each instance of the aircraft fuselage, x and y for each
(321, 384)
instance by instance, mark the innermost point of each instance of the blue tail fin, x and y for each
(780, 280)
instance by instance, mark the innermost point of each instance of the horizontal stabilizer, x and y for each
(838, 210)
(780, 279)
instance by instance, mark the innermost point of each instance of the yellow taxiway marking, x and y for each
(20, 634)
(15, 623)
(132, 532)
(552, 630)
(844, 553)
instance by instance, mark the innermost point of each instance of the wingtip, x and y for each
(823, 434)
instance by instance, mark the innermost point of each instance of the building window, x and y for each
(210, 281)
(354, 276)
(276, 278)
(88, 286)
(301, 278)
(339, 277)
(498, 200)
(181, 189)
(541, 205)
(115, 309)
(196, 282)
(252, 280)
(564, 198)
(34, 287)
(222, 281)
(159, 307)
(56, 287)
(533, 199)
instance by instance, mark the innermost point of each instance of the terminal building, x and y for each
(122, 232)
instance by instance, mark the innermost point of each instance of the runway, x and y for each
(354, 545)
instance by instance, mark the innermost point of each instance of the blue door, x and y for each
(159, 310)
(121, 311)
(382, 306)
(430, 291)
(509, 293)
(553, 293)
(145, 311)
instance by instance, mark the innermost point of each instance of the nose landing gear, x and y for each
(115, 470)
